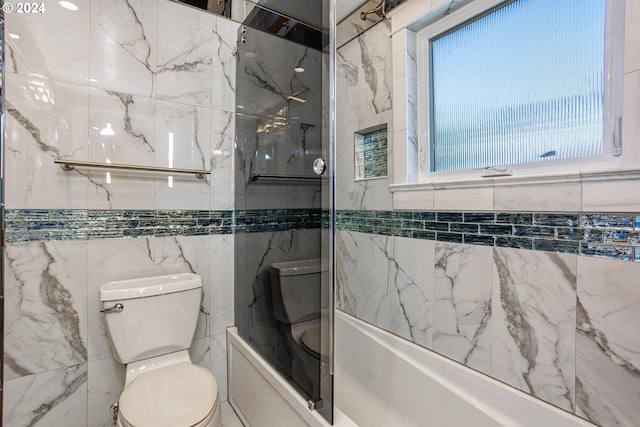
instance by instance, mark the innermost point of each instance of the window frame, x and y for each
(613, 101)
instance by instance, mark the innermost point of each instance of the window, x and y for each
(520, 84)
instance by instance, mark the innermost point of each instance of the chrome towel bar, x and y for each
(68, 165)
(255, 177)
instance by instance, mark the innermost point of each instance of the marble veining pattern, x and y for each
(607, 346)
(45, 318)
(45, 120)
(526, 318)
(462, 304)
(533, 332)
(224, 64)
(61, 55)
(124, 39)
(375, 52)
(52, 398)
(184, 254)
(183, 140)
(185, 54)
(359, 288)
(377, 283)
(86, 85)
(411, 292)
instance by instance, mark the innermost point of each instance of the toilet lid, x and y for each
(313, 345)
(177, 395)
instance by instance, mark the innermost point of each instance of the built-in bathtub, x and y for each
(383, 380)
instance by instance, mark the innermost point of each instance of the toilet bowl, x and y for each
(151, 322)
(301, 312)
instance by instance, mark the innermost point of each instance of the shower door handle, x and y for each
(319, 165)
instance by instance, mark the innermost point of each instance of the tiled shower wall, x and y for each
(134, 82)
(543, 301)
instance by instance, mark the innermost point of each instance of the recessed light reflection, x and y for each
(107, 131)
(14, 36)
(299, 70)
(68, 5)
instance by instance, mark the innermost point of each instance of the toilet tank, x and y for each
(159, 314)
(296, 290)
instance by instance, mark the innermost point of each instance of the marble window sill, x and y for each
(607, 191)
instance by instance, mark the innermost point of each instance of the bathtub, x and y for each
(383, 380)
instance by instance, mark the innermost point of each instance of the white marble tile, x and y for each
(106, 382)
(462, 304)
(122, 130)
(108, 260)
(608, 346)
(45, 322)
(631, 128)
(45, 121)
(401, 105)
(376, 74)
(460, 199)
(533, 323)
(416, 200)
(52, 398)
(538, 198)
(219, 363)
(225, 35)
(411, 289)
(221, 187)
(187, 254)
(404, 55)
(362, 277)
(222, 287)
(229, 418)
(183, 140)
(632, 36)
(610, 196)
(124, 37)
(200, 352)
(53, 45)
(185, 54)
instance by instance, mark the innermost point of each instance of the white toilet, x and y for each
(151, 322)
(299, 306)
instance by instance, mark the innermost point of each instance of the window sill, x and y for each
(610, 191)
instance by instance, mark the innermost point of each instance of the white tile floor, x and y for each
(228, 417)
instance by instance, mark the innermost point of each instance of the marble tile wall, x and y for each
(552, 318)
(555, 326)
(125, 81)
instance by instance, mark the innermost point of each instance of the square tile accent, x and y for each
(371, 152)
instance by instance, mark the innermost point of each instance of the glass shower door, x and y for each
(283, 200)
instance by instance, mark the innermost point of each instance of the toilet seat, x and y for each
(182, 394)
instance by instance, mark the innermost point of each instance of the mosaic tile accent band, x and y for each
(615, 236)
(42, 225)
